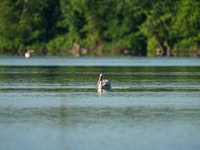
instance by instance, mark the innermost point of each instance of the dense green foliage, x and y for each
(100, 26)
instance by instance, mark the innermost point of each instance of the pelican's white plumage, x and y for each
(103, 83)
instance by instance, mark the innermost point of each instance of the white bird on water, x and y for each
(27, 54)
(103, 83)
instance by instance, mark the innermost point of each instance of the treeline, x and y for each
(100, 27)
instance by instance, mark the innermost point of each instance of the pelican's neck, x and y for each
(99, 81)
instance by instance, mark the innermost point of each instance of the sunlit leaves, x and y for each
(99, 24)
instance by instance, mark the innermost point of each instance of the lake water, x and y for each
(53, 103)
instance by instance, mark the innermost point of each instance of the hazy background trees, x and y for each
(100, 26)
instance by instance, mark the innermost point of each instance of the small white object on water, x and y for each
(28, 54)
(103, 83)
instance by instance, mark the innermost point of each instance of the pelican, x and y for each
(103, 84)
(27, 54)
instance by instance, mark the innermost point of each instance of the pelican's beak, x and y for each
(98, 82)
(100, 79)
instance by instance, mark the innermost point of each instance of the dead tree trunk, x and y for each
(24, 8)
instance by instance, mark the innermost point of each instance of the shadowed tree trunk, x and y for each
(99, 48)
(168, 51)
(158, 39)
(197, 49)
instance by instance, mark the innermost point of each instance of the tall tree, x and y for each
(158, 23)
(10, 13)
(27, 23)
(186, 23)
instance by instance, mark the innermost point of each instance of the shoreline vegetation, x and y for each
(84, 52)
(100, 27)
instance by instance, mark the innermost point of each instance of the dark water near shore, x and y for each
(53, 103)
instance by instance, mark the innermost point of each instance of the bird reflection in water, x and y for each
(103, 91)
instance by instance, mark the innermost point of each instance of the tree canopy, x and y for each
(100, 26)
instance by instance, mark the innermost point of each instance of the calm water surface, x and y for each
(53, 103)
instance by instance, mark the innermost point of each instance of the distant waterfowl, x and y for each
(103, 83)
(27, 54)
